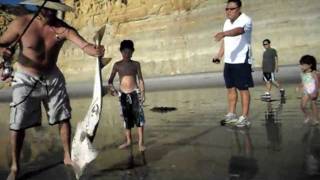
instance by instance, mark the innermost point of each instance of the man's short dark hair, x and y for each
(266, 40)
(238, 2)
(126, 44)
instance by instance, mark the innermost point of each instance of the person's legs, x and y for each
(16, 141)
(303, 104)
(232, 100)
(267, 78)
(141, 139)
(65, 132)
(268, 87)
(314, 111)
(276, 84)
(128, 139)
(245, 102)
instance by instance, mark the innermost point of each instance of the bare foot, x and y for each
(315, 122)
(123, 146)
(68, 161)
(306, 120)
(12, 175)
(142, 148)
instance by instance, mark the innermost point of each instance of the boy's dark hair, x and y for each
(126, 44)
(266, 40)
(310, 60)
(238, 2)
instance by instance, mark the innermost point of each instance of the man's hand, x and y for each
(99, 50)
(6, 53)
(94, 50)
(6, 79)
(216, 60)
(219, 36)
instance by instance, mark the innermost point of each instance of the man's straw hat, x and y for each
(49, 4)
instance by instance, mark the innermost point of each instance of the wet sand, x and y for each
(188, 143)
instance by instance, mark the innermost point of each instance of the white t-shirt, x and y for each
(237, 47)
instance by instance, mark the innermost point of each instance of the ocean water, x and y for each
(187, 143)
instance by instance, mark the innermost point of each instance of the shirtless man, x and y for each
(38, 79)
(131, 93)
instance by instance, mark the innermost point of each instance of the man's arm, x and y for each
(87, 47)
(141, 83)
(10, 36)
(219, 55)
(276, 63)
(221, 51)
(233, 32)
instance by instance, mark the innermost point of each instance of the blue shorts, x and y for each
(238, 76)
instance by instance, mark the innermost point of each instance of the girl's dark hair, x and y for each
(310, 60)
(126, 44)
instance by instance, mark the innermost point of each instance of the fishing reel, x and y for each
(6, 65)
(7, 70)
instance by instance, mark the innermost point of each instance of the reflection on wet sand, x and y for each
(311, 141)
(187, 143)
(242, 163)
(273, 124)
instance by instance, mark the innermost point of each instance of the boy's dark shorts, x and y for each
(238, 76)
(132, 111)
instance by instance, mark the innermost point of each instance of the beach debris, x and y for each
(163, 109)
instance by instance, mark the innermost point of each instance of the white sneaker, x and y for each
(231, 118)
(243, 121)
(266, 95)
(282, 92)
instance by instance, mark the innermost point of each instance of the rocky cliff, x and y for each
(176, 36)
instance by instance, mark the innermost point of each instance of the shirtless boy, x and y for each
(131, 93)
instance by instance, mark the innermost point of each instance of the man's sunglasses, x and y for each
(231, 9)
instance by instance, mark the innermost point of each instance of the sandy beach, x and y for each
(187, 143)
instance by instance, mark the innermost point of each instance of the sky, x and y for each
(14, 2)
(9, 1)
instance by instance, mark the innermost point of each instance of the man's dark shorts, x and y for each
(238, 76)
(268, 76)
(132, 111)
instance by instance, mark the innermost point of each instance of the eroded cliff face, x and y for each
(176, 36)
(159, 29)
